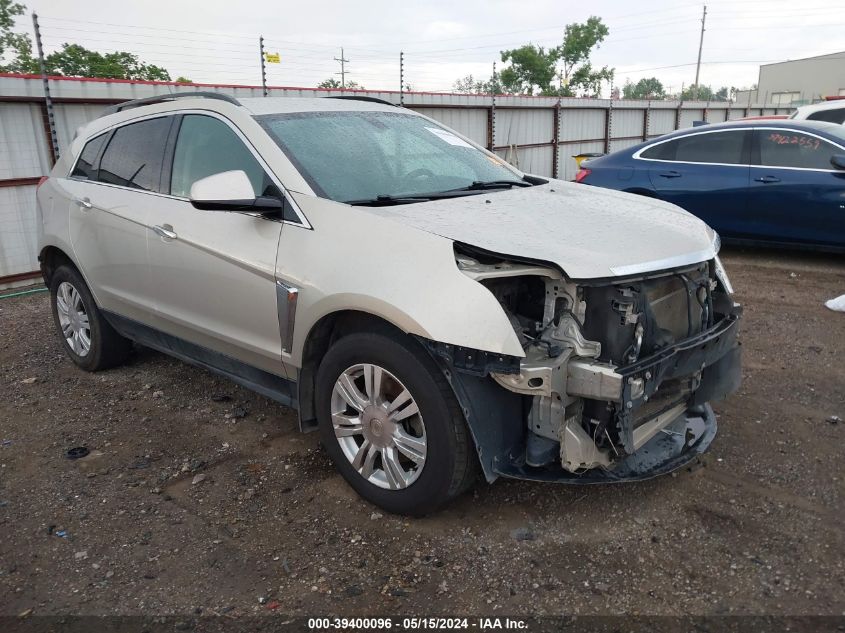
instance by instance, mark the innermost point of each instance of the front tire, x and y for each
(90, 341)
(391, 424)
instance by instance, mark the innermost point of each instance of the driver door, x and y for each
(796, 194)
(213, 272)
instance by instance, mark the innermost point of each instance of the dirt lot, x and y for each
(271, 527)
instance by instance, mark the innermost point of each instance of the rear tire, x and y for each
(90, 341)
(391, 424)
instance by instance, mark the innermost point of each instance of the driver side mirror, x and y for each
(230, 191)
(838, 161)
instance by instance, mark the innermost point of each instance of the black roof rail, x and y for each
(135, 103)
(363, 98)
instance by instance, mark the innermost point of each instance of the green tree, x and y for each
(335, 84)
(533, 69)
(183, 80)
(579, 40)
(73, 60)
(704, 93)
(471, 85)
(645, 88)
(15, 48)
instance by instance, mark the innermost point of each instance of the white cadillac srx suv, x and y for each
(430, 309)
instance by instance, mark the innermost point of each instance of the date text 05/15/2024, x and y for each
(418, 624)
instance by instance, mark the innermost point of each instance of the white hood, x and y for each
(588, 232)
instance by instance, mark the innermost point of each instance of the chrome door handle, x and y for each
(85, 203)
(767, 179)
(165, 231)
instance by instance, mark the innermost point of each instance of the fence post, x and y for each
(491, 121)
(678, 115)
(263, 69)
(556, 141)
(646, 120)
(401, 79)
(48, 101)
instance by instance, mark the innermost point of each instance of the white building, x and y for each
(798, 81)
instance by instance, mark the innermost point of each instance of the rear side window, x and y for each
(664, 151)
(714, 147)
(135, 154)
(207, 146)
(790, 148)
(85, 165)
(832, 116)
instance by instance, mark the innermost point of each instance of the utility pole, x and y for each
(48, 101)
(343, 61)
(700, 46)
(401, 79)
(263, 68)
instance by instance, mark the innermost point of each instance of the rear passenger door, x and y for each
(113, 187)
(796, 195)
(214, 271)
(705, 173)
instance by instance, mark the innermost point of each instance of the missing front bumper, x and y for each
(676, 445)
(646, 398)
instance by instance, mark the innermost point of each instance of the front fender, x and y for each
(356, 260)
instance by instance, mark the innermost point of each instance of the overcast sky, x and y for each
(217, 42)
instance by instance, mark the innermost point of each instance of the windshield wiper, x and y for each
(386, 201)
(383, 200)
(481, 185)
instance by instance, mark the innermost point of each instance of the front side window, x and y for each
(135, 154)
(791, 148)
(710, 147)
(207, 146)
(85, 165)
(354, 156)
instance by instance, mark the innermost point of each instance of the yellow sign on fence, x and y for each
(272, 58)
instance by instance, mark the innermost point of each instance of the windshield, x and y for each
(359, 156)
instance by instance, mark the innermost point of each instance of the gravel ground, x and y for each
(201, 497)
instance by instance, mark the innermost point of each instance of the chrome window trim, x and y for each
(636, 155)
(303, 221)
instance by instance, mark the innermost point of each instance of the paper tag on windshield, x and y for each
(448, 137)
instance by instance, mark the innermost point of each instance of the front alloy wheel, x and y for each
(391, 424)
(378, 426)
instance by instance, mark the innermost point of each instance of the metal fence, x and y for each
(539, 135)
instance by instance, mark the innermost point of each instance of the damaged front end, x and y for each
(617, 375)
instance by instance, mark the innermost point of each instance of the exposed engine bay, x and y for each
(610, 365)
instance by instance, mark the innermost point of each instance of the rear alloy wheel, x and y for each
(378, 426)
(73, 319)
(391, 423)
(89, 340)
